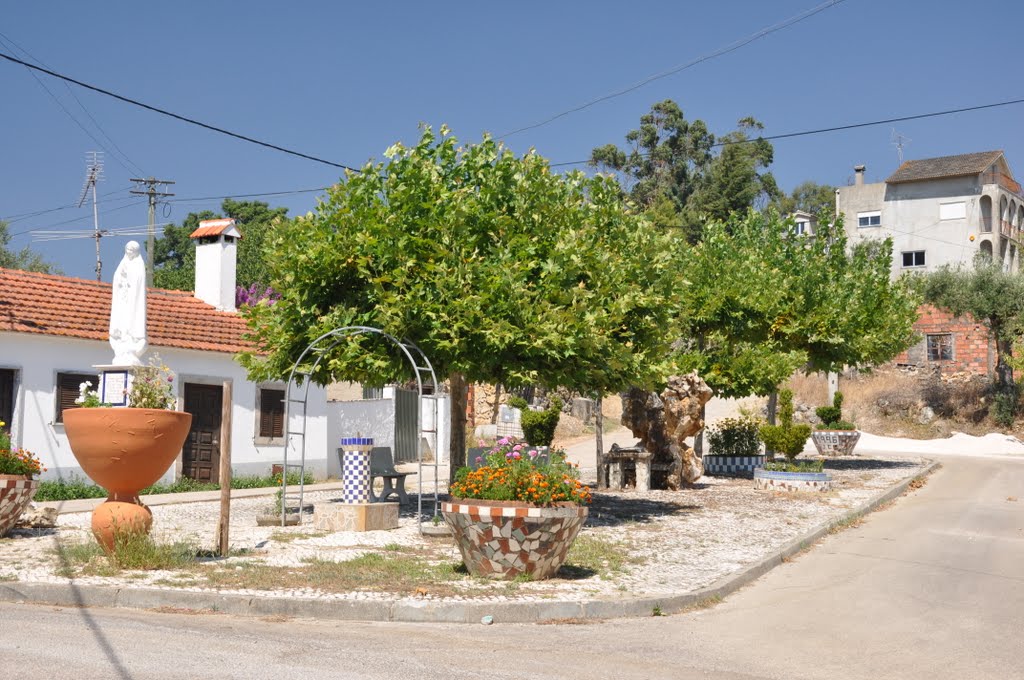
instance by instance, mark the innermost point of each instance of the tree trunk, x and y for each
(832, 377)
(457, 448)
(497, 404)
(1004, 373)
(602, 482)
(698, 439)
(773, 408)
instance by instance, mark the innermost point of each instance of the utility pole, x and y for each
(153, 196)
(93, 174)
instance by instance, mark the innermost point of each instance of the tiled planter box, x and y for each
(835, 442)
(16, 493)
(792, 481)
(504, 540)
(732, 466)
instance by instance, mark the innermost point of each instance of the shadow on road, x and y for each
(867, 464)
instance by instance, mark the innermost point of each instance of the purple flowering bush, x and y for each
(254, 294)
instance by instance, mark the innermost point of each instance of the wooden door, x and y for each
(201, 455)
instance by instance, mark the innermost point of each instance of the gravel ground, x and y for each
(660, 542)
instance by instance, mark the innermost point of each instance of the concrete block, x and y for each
(334, 516)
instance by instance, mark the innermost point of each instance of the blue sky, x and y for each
(343, 81)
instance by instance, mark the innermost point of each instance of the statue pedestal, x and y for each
(341, 516)
(115, 383)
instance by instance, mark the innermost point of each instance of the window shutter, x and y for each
(272, 413)
(67, 390)
(6, 397)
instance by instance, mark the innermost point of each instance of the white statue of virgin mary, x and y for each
(128, 308)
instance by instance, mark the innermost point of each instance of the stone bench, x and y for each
(382, 465)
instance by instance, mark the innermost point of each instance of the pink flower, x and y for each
(533, 453)
(479, 460)
(516, 455)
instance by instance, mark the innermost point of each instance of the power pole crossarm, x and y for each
(153, 196)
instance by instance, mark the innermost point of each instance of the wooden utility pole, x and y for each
(602, 482)
(153, 196)
(223, 543)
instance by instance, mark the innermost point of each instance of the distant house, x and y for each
(805, 224)
(942, 211)
(54, 330)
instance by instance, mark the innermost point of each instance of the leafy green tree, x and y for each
(810, 197)
(992, 296)
(25, 258)
(174, 253)
(500, 270)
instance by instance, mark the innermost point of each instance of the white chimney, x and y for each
(216, 262)
(858, 174)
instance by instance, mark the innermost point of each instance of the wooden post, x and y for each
(223, 544)
(602, 481)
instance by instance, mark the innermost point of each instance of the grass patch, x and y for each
(8, 577)
(131, 552)
(796, 466)
(286, 537)
(599, 556)
(76, 488)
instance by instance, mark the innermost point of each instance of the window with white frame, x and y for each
(803, 228)
(940, 347)
(953, 211)
(871, 218)
(913, 258)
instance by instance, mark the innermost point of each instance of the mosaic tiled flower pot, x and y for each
(835, 442)
(732, 466)
(771, 480)
(505, 539)
(124, 450)
(16, 492)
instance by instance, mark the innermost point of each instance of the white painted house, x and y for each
(55, 329)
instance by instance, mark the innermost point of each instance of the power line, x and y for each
(732, 47)
(18, 217)
(75, 219)
(6, 40)
(838, 128)
(176, 116)
(256, 195)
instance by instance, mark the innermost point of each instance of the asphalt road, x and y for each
(932, 587)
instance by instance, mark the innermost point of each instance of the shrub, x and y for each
(514, 471)
(786, 438)
(796, 466)
(831, 414)
(538, 426)
(1004, 406)
(735, 437)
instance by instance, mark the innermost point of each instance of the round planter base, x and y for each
(16, 493)
(835, 442)
(792, 481)
(113, 518)
(503, 542)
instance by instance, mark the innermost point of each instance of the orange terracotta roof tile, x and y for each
(79, 308)
(214, 227)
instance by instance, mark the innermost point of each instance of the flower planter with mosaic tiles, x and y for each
(835, 442)
(771, 480)
(16, 492)
(731, 466)
(506, 539)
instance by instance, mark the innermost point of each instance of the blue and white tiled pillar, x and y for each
(355, 461)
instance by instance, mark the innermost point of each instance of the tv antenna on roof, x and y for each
(93, 174)
(899, 141)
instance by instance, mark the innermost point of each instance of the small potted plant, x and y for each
(516, 514)
(18, 484)
(789, 439)
(735, 447)
(127, 449)
(834, 436)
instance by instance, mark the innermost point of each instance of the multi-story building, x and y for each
(941, 211)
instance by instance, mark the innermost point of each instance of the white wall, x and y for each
(38, 359)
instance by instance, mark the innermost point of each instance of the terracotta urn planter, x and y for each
(124, 450)
(16, 492)
(835, 442)
(504, 539)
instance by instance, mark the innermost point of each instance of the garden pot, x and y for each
(506, 539)
(124, 450)
(792, 481)
(835, 442)
(731, 466)
(16, 492)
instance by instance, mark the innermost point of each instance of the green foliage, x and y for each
(839, 425)
(496, 267)
(785, 438)
(809, 197)
(77, 487)
(513, 471)
(152, 386)
(796, 466)
(25, 258)
(174, 258)
(671, 172)
(1004, 406)
(735, 437)
(760, 303)
(538, 426)
(831, 415)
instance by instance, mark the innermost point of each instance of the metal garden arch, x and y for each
(425, 376)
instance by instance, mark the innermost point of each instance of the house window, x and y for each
(271, 413)
(913, 258)
(67, 391)
(940, 347)
(6, 398)
(871, 218)
(802, 229)
(953, 211)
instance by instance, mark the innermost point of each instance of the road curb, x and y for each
(533, 611)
